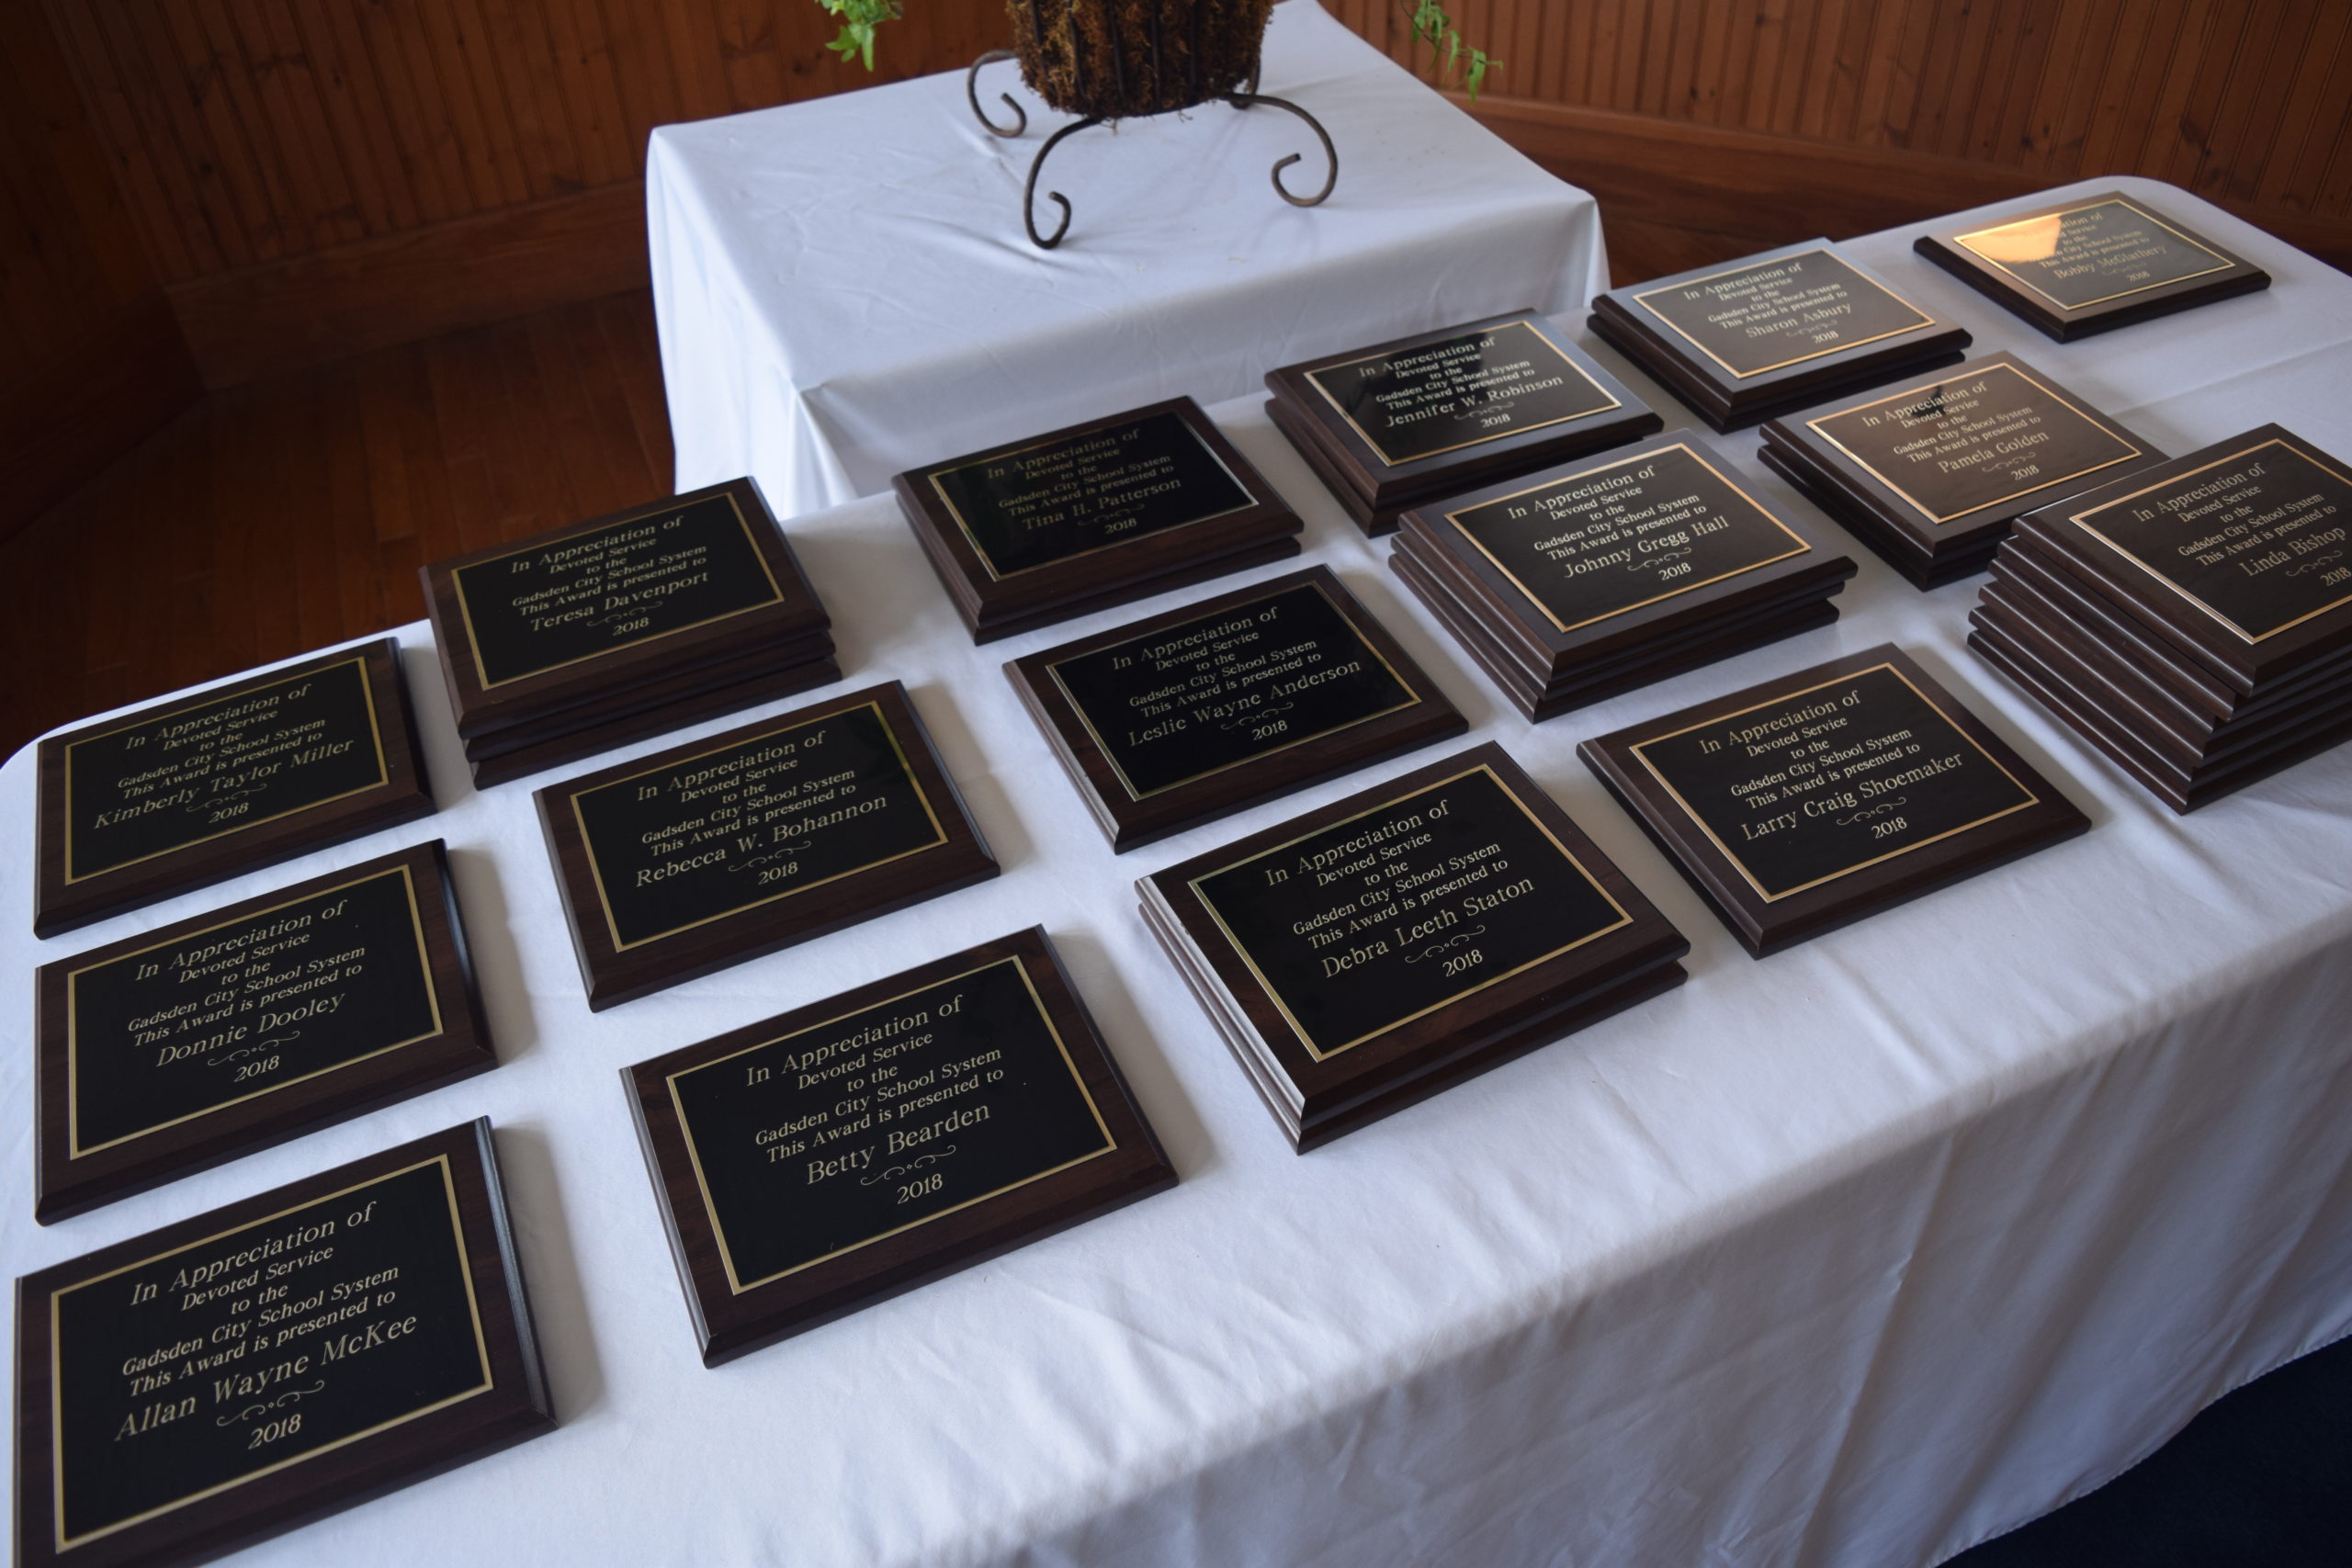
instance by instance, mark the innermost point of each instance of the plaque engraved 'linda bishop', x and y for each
(1782, 311)
(1477, 387)
(819, 1161)
(190, 791)
(713, 853)
(237, 1373)
(169, 1051)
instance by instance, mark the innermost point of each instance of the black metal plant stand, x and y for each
(1249, 98)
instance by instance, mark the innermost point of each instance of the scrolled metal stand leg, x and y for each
(1330, 180)
(972, 96)
(1029, 196)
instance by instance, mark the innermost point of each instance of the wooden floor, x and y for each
(282, 516)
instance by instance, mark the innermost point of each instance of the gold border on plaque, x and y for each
(597, 872)
(1939, 519)
(1412, 696)
(1266, 985)
(1316, 378)
(374, 736)
(2061, 215)
(466, 610)
(57, 1371)
(981, 551)
(1618, 460)
(75, 1149)
(1741, 866)
(737, 1286)
(1642, 299)
(2080, 519)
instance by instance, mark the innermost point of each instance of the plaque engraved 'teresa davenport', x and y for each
(1478, 387)
(1783, 311)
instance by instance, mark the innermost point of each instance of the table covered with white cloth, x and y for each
(1856, 1255)
(844, 288)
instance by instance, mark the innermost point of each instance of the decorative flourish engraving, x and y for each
(1433, 949)
(259, 1048)
(1255, 715)
(767, 857)
(1870, 813)
(1646, 563)
(254, 1412)
(2313, 564)
(896, 1172)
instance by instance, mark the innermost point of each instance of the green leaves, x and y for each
(859, 18)
(1431, 25)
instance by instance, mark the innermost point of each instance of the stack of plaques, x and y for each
(2193, 621)
(623, 627)
(1809, 801)
(1574, 584)
(1370, 953)
(1931, 474)
(2091, 265)
(1388, 427)
(1098, 514)
(1774, 333)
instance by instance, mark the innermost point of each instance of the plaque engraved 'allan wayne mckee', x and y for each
(1371, 922)
(156, 786)
(727, 830)
(1814, 784)
(1960, 445)
(2256, 538)
(1478, 387)
(1190, 700)
(209, 1366)
(644, 577)
(1783, 311)
(1116, 483)
(1626, 532)
(222, 1015)
(956, 1092)
(2090, 254)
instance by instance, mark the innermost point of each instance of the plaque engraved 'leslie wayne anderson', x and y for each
(1186, 701)
(1781, 313)
(1626, 532)
(1961, 445)
(1478, 387)
(2090, 254)
(541, 608)
(1817, 783)
(160, 784)
(729, 829)
(1364, 925)
(1030, 508)
(2255, 539)
(835, 1136)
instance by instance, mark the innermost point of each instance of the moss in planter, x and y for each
(1115, 58)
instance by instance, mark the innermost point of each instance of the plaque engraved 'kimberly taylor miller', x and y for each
(1626, 532)
(550, 606)
(1378, 919)
(1028, 509)
(1478, 387)
(1781, 313)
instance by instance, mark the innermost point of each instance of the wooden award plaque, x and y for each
(829, 1159)
(176, 1049)
(2091, 265)
(1202, 711)
(196, 1390)
(196, 789)
(1802, 804)
(722, 850)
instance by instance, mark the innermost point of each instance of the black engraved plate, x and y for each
(1113, 483)
(218, 1364)
(1477, 387)
(1626, 533)
(1783, 311)
(1378, 919)
(1817, 783)
(769, 819)
(1190, 700)
(239, 1010)
(882, 1120)
(541, 608)
(1996, 434)
(2255, 539)
(2088, 255)
(160, 784)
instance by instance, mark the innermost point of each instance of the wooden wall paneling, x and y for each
(2316, 120)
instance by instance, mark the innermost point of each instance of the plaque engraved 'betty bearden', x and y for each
(1781, 313)
(1478, 387)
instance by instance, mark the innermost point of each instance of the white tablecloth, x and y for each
(846, 291)
(1853, 1256)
